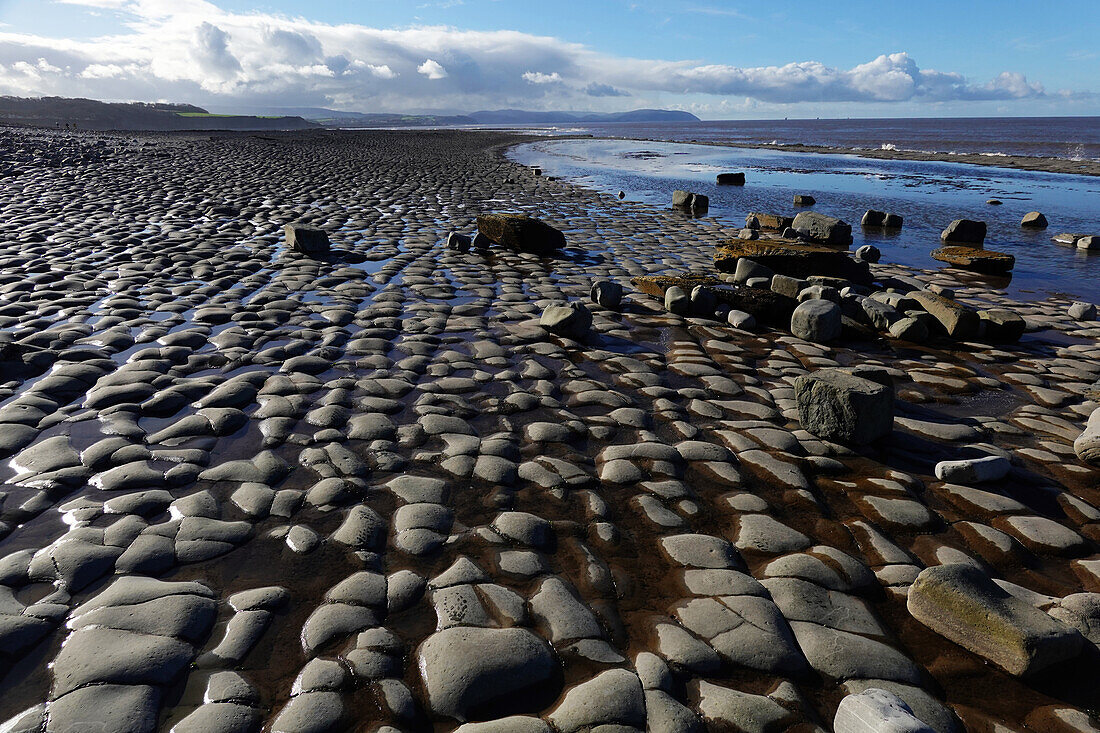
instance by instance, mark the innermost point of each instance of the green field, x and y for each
(209, 114)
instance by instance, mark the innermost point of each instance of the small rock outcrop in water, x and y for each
(1034, 220)
(520, 232)
(961, 603)
(695, 204)
(869, 253)
(731, 179)
(839, 406)
(803, 199)
(571, 320)
(307, 240)
(822, 229)
(964, 231)
(974, 258)
(880, 219)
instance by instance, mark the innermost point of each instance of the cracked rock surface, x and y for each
(247, 488)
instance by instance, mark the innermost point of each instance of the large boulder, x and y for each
(844, 408)
(1087, 444)
(520, 232)
(470, 672)
(817, 320)
(1001, 325)
(974, 258)
(794, 260)
(962, 603)
(823, 229)
(731, 179)
(956, 319)
(571, 320)
(964, 231)
(305, 239)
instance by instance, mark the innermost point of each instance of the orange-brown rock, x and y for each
(972, 258)
(793, 259)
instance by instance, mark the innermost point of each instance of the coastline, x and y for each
(350, 488)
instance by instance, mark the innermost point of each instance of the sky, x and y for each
(719, 60)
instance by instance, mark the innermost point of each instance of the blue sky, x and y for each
(717, 59)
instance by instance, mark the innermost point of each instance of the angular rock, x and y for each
(822, 229)
(731, 179)
(1034, 220)
(964, 231)
(844, 408)
(520, 232)
(572, 320)
(961, 603)
(1001, 325)
(305, 239)
(957, 320)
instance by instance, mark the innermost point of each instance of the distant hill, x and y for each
(88, 114)
(335, 118)
(522, 117)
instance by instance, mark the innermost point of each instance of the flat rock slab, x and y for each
(961, 603)
(792, 259)
(972, 258)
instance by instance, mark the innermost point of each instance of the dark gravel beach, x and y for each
(250, 489)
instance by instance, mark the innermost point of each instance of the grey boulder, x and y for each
(841, 407)
(571, 320)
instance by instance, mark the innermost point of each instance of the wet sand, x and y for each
(453, 515)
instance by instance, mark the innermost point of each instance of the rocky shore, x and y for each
(252, 488)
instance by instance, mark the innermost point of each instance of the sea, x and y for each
(649, 161)
(1068, 138)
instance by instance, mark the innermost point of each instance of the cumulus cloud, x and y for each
(195, 51)
(537, 77)
(432, 69)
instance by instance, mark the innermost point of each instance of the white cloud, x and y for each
(536, 77)
(382, 71)
(432, 69)
(194, 51)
